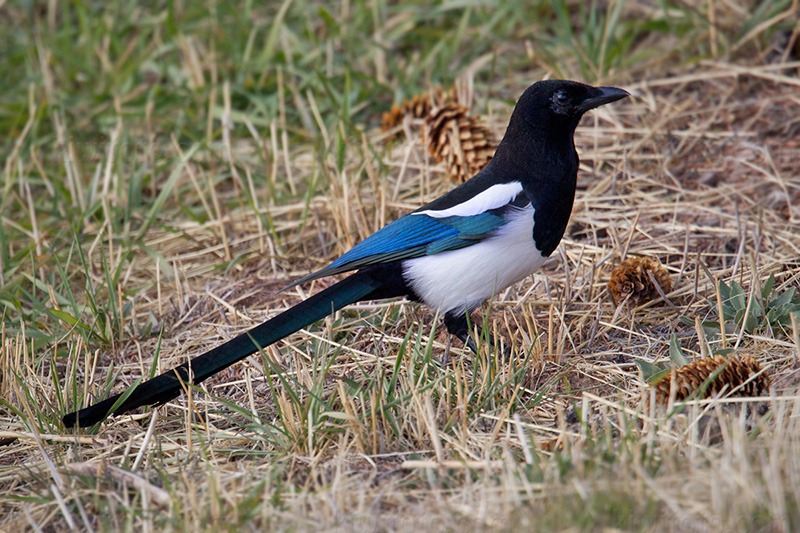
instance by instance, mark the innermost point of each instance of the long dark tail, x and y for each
(161, 389)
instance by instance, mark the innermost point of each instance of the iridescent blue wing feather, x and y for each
(413, 235)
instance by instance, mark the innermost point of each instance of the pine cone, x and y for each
(631, 279)
(418, 107)
(462, 142)
(689, 378)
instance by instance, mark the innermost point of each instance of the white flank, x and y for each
(492, 198)
(455, 280)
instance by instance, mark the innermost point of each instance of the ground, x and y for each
(169, 168)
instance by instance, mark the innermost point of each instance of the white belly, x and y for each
(455, 280)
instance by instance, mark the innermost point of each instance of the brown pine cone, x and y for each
(689, 378)
(418, 107)
(631, 280)
(462, 142)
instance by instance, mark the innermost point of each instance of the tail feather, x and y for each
(167, 386)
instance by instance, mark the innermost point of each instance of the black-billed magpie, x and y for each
(452, 254)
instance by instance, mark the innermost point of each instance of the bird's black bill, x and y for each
(602, 96)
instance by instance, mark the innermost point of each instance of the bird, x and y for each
(451, 254)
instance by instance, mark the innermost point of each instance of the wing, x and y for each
(435, 228)
(413, 235)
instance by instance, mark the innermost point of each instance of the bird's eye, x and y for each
(562, 98)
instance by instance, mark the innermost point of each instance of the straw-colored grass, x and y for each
(164, 179)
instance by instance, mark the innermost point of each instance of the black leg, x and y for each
(458, 325)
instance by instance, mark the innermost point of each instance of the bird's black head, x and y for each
(538, 150)
(561, 104)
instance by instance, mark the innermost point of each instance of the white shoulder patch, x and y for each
(492, 198)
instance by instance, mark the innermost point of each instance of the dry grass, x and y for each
(372, 420)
